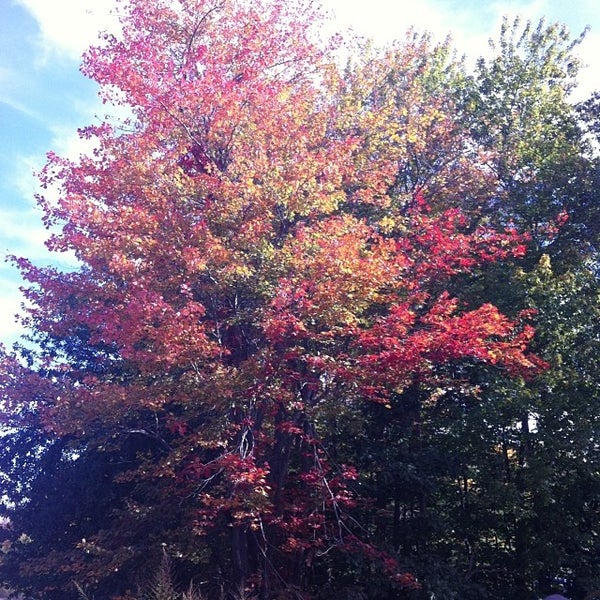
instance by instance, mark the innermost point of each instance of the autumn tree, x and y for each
(267, 249)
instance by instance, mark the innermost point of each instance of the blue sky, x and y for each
(44, 98)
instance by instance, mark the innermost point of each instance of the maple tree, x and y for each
(266, 253)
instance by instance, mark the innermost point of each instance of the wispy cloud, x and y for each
(20, 107)
(23, 234)
(21, 227)
(12, 84)
(68, 27)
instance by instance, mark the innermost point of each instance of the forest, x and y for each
(335, 328)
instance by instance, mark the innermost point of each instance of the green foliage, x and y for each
(520, 113)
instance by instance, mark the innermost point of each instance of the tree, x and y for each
(522, 116)
(265, 272)
(512, 508)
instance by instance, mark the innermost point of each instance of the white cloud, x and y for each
(23, 235)
(386, 20)
(68, 27)
(10, 304)
(67, 143)
(589, 80)
(22, 230)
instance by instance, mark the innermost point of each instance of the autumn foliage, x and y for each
(266, 247)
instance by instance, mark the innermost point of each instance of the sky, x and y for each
(44, 98)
